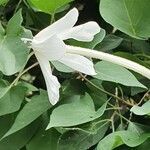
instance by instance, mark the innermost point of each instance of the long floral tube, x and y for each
(110, 58)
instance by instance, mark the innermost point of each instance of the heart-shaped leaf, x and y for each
(129, 16)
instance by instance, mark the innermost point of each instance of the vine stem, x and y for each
(123, 117)
(110, 58)
(117, 103)
(112, 121)
(104, 91)
(26, 70)
(29, 56)
(52, 18)
(143, 97)
(20, 74)
(17, 6)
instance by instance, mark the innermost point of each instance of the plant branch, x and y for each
(143, 97)
(110, 94)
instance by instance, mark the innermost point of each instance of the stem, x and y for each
(110, 58)
(143, 97)
(112, 122)
(20, 74)
(114, 108)
(30, 55)
(123, 117)
(17, 6)
(114, 30)
(18, 77)
(26, 4)
(100, 121)
(26, 70)
(52, 18)
(142, 55)
(117, 103)
(108, 93)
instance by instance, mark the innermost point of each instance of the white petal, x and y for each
(51, 81)
(78, 63)
(52, 48)
(65, 23)
(84, 32)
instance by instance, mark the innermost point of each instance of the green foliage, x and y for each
(81, 138)
(111, 72)
(17, 140)
(12, 100)
(110, 42)
(3, 2)
(13, 51)
(132, 137)
(78, 112)
(110, 110)
(143, 110)
(44, 140)
(49, 7)
(28, 114)
(129, 16)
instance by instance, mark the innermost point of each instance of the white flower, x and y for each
(48, 46)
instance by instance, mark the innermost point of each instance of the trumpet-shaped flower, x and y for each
(48, 45)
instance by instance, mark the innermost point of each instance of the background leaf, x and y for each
(78, 112)
(49, 7)
(82, 139)
(44, 140)
(129, 16)
(28, 114)
(110, 42)
(111, 72)
(131, 137)
(11, 102)
(17, 140)
(143, 110)
(13, 51)
(3, 2)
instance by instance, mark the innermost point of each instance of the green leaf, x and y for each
(73, 87)
(144, 146)
(111, 72)
(11, 102)
(98, 96)
(44, 140)
(19, 139)
(143, 110)
(49, 6)
(129, 16)
(78, 112)
(4, 88)
(3, 2)
(77, 138)
(30, 87)
(13, 51)
(135, 135)
(61, 67)
(31, 111)
(110, 42)
(6, 122)
(118, 138)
